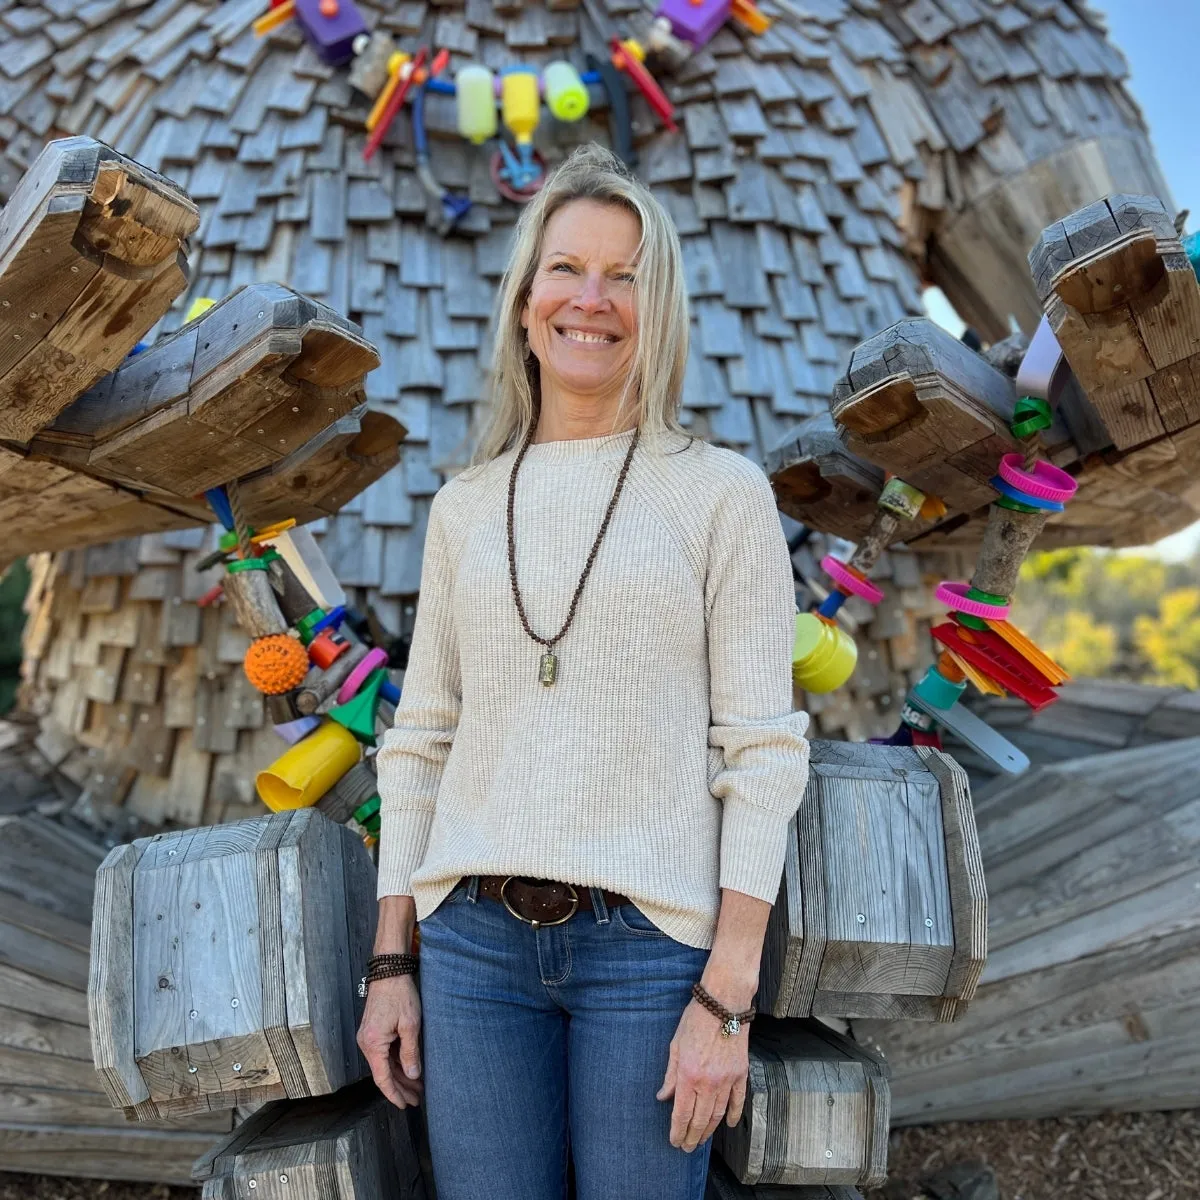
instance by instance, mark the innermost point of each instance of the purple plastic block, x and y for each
(331, 37)
(695, 23)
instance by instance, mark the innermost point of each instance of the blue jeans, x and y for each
(534, 1037)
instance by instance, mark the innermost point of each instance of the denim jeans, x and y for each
(533, 1037)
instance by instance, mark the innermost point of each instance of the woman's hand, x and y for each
(706, 1073)
(390, 1038)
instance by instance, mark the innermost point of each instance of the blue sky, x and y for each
(1160, 39)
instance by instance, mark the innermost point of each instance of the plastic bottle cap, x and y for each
(1045, 481)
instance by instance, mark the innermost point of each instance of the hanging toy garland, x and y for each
(979, 644)
(824, 654)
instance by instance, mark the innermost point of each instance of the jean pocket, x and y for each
(633, 920)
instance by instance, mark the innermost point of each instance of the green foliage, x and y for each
(13, 586)
(1129, 616)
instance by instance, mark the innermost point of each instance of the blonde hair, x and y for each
(655, 384)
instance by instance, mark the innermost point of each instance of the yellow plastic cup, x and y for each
(302, 775)
(823, 655)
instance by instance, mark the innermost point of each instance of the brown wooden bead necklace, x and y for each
(548, 664)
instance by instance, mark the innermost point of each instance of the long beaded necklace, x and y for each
(548, 663)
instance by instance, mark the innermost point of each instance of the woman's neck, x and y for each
(571, 420)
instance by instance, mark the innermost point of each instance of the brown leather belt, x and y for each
(542, 901)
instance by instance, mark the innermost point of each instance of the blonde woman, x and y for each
(586, 793)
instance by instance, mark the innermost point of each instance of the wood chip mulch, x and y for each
(1132, 1156)
(1118, 1156)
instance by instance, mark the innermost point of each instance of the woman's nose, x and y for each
(592, 292)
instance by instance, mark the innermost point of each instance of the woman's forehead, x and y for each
(598, 228)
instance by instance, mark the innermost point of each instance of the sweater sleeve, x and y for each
(751, 604)
(413, 753)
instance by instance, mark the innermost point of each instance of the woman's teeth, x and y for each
(575, 335)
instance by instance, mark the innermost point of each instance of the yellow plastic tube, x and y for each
(566, 95)
(475, 100)
(519, 102)
(823, 655)
(302, 775)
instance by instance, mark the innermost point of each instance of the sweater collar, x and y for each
(606, 446)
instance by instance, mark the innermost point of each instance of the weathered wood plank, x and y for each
(816, 1110)
(91, 256)
(920, 404)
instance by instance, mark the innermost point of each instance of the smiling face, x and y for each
(581, 315)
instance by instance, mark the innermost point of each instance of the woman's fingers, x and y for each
(702, 1114)
(668, 1085)
(681, 1114)
(737, 1101)
(719, 1108)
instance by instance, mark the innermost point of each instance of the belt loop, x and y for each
(473, 889)
(599, 908)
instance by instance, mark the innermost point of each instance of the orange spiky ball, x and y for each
(276, 663)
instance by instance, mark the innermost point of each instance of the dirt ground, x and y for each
(1141, 1156)
(1133, 1156)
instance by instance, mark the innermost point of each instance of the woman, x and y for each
(584, 841)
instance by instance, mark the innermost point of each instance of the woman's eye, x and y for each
(564, 266)
(625, 277)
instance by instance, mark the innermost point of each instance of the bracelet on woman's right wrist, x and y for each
(385, 966)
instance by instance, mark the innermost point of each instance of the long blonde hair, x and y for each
(655, 384)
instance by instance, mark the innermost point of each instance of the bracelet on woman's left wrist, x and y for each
(731, 1022)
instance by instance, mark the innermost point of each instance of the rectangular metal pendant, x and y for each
(548, 669)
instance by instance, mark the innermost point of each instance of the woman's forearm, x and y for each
(731, 975)
(397, 917)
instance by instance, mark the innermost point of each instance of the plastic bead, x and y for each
(275, 664)
(954, 595)
(1044, 482)
(851, 581)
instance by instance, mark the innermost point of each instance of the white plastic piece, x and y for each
(301, 552)
(1040, 362)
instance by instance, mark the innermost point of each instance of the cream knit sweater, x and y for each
(667, 759)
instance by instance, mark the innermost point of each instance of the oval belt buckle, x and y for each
(538, 924)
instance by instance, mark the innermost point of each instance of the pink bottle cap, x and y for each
(1045, 481)
(850, 582)
(374, 660)
(954, 595)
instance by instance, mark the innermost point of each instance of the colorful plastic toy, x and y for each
(627, 56)
(302, 775)
(566, 95)
(475, 103)
(695, 21)
(275, 664)
(359, 713)
(331, 26)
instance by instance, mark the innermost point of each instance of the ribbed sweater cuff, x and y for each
(753, 847)
(404, 837)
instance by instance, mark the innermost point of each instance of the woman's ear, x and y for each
(525, 315)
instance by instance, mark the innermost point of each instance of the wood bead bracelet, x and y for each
(731, 1022)
(385, 966)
